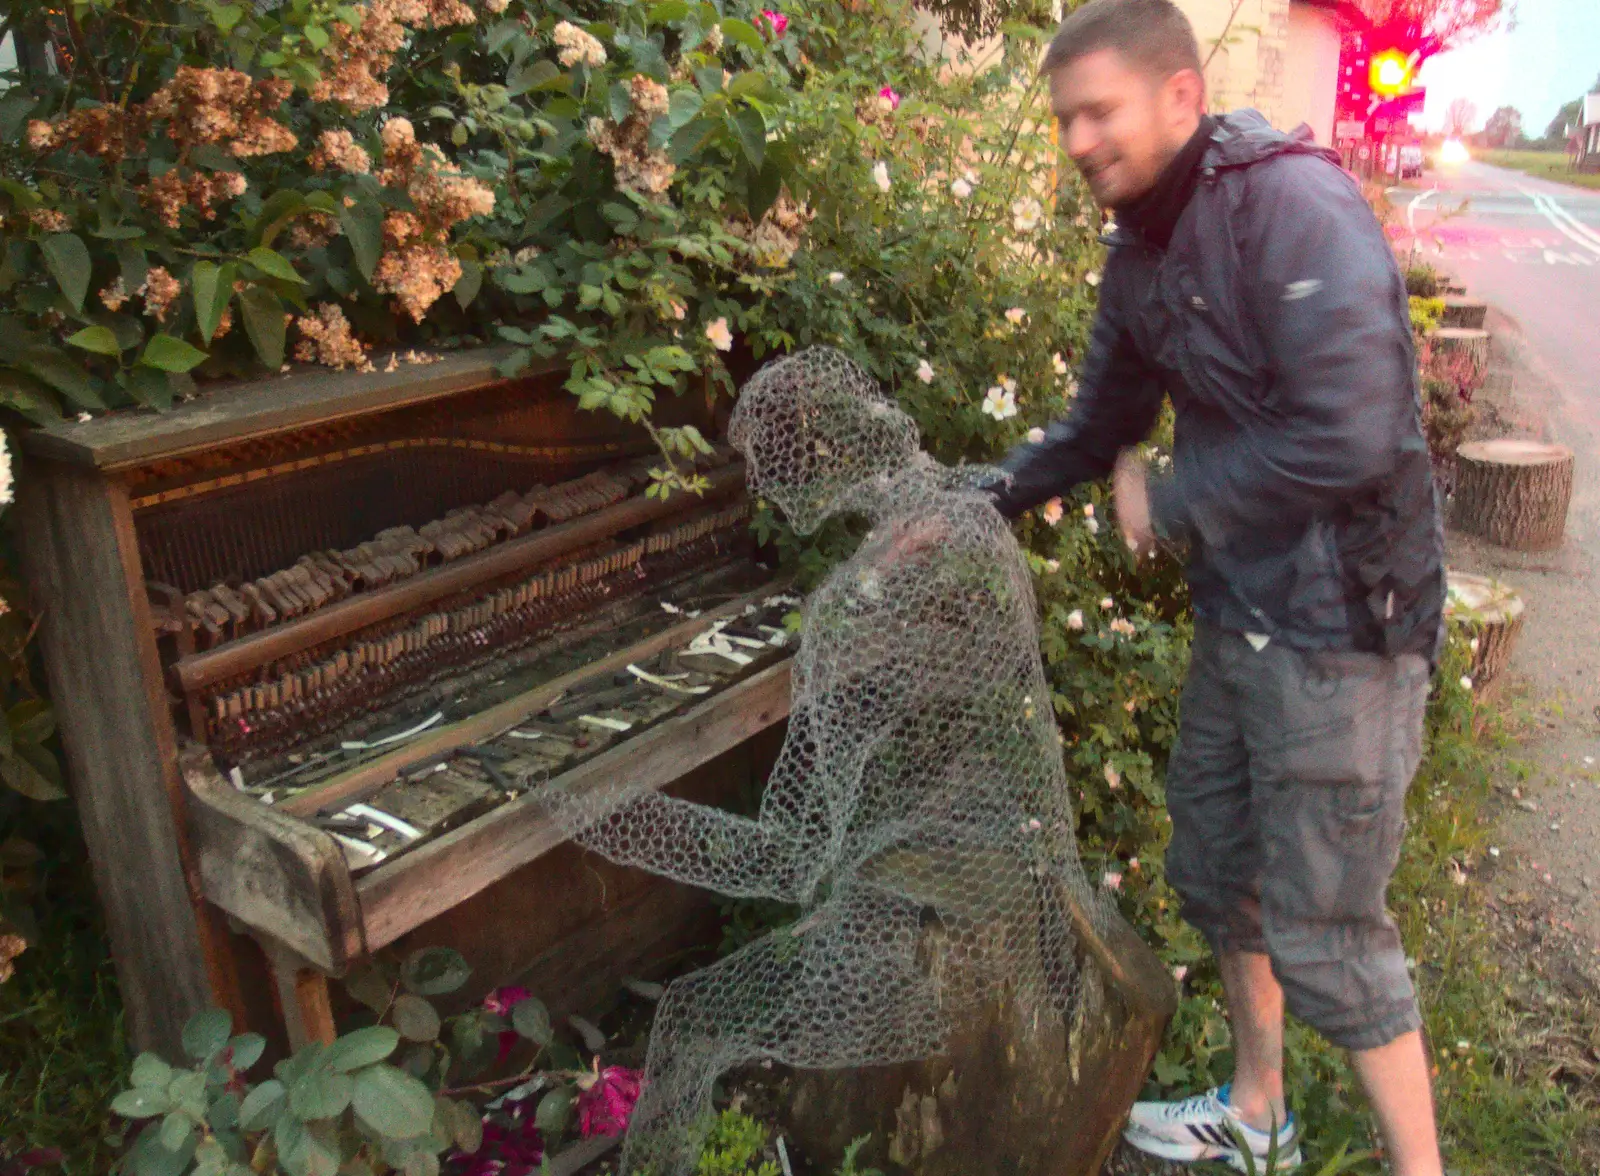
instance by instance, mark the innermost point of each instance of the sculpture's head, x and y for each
(812, 427)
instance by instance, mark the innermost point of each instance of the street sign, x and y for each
(1351, 128)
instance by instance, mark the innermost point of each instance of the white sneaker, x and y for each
(1203, 1127)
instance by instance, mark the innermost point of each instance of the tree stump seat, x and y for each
(1513, 493)
(1493, 612)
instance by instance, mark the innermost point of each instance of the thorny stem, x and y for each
(1222, 37)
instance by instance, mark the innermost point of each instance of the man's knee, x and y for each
(1348, 982)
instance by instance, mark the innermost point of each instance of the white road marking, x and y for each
(1536, 242)
(1563, 221)
(1416, 203)
(1551, 257)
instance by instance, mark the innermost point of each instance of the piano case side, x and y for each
(283, 878)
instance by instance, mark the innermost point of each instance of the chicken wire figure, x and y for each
(918, 809)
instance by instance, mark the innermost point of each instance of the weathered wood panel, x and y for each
(104, 677)
(255, 407)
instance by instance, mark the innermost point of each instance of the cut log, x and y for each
(1492, 611)
(1460, 311)
(1471, 342)
(1017, 1092)
(1513, 493)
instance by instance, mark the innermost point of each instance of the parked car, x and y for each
(1410, 161)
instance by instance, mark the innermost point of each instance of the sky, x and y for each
(1548, 58)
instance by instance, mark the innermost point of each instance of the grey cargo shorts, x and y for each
(1287, 794)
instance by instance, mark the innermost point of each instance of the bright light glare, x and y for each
(1454, 152)
(1391, 73)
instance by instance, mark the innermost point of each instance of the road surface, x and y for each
(1531, 249)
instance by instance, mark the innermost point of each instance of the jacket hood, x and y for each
(1244, 137)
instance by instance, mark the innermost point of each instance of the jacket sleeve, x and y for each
(1320, 282)
(1119, 397)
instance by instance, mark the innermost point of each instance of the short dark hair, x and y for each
(1153, 35)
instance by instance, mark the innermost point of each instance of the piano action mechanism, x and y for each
(322, 644)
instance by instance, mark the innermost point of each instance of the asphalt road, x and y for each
(1531, 249)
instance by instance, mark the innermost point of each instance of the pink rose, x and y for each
(889, 95)
(502, 1000)
(606, 1099)
(778, 21)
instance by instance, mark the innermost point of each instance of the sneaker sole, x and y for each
(1193, 1151)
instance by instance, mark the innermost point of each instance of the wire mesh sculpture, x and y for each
(918, 810)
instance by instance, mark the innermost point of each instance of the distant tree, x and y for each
(1459, 119)
(1432, 26)
(1567, 118)
(1504, 128)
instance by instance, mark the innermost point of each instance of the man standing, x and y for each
(1249, 281)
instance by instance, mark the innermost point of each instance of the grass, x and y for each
(1546, 165)
(1516, 1052)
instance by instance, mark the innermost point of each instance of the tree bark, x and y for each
(1468, 341)
(1493, 612)
(1460, 311)
(1016, 1092)
(1513, 493)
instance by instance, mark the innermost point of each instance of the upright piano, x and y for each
(320, 644)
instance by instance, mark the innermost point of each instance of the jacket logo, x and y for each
(1305, 288)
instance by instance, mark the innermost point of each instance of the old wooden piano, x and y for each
(318, 644)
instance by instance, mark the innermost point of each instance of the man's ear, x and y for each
(1185, 91)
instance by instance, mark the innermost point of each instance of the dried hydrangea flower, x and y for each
(575, 46)
(338, 151)
(160, 291)
(326, 338)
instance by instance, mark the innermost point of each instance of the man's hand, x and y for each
(1131, 496)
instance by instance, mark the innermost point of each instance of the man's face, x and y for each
(1121, 126)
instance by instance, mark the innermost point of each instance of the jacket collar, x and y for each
(1238, 140)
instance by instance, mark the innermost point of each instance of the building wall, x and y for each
(1247, 63)
(1311, 71)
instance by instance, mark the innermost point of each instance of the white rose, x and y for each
(1075, 620)
(1035, 435)
(961, 189)
(880, 175)
(1051, 512)
(719, 334)
(925, 372)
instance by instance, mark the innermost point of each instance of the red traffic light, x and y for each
(1392, 72)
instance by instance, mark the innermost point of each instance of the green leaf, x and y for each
(751, 130)
(206, 1032)
(370, 987)
(22, 775)
(175, 1130)
(65, 374)
(393, 1103)
(264, 323)
(363, 226)
(246, 1050)
(169, 354)
(502, 34)
(99, 340)
(532, 1020)
(32, 399)
(421, 1163)
(750, 84)
(667, 11)
(273, 264)
(223, 1115)
(67, 258)
(361, 1048)
(212, 287)
(434, 971)
(141, 1103)
(150, 1072)
(277, 211)
(213, 158)
(117, 232)
(262, 1106)
(321, 1094)
(33, 721)
(539, 74)
(150, 386)
(464, 1123)
(554, 1111)
(744, 33)
(685, 103)
(468, 285)
(764, 188)
(416, 1019)
(14, 110)
(225, 16)
(307, 1149)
